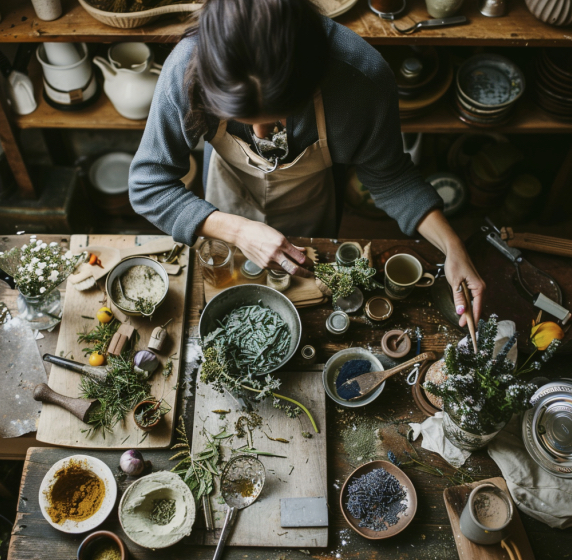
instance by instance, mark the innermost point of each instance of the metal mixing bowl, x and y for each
(253, 294)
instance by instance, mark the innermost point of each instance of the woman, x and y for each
(285, 98)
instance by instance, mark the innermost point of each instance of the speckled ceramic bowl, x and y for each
(331, 371)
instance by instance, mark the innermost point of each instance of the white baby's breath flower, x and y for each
(53, 244)
(68, 255)
(41, 278)
(42, 265)
(44, 245)
(38, 271)
(39, 242)
(34, 260)
(24, 247)
(53, 275)
(42, 290)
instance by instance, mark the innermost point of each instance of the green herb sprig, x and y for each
(198, 472)
(342, 280)
(99, 337)
(163, 511)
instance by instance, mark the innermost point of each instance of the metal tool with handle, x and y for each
(431, 24)
(515, 256)
(97, 373)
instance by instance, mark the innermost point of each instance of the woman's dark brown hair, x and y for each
(254, 58)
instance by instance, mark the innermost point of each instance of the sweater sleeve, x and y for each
(155, 187)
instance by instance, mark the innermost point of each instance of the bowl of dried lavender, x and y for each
(378, 500)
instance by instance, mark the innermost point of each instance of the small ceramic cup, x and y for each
(93, 541)
(486, 515)
(443, 8)
(404, 272)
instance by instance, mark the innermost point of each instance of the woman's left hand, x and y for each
(458, 267)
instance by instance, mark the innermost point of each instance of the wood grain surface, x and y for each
(429, 536)
(57, 426)
(455, 500)
(302, 474)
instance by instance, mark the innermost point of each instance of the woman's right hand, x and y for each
(259, 242)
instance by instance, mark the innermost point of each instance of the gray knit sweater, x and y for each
(363, 128)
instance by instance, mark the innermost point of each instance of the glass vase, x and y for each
(40, 312)
(463, 439)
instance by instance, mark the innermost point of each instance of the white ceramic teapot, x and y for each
(130, 78)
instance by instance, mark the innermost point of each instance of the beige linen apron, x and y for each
(296, 199)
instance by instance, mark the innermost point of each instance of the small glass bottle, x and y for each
(347, 254)
(278, 279)
(308, 354)
(337, 325)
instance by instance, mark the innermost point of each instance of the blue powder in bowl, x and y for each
(351, 369)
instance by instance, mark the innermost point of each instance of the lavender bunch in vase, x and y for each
(482, 390)
(38, 268)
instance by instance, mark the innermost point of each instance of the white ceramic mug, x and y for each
(66, 78)
(48, 10)
(131, 56)
(403, 272)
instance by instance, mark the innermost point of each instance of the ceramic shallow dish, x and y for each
(329, 375)
(405, 518)
(121, 268)
(97, 467)
(490, 81)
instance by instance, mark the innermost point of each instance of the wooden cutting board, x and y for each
(59, 427)
(302, 292)
(301, 474)
(455, 500)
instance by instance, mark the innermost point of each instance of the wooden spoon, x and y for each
(368, 382)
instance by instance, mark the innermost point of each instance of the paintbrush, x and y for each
(98, 373)
(365, 383)
(469, 315)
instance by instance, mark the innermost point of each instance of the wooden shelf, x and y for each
(517, 28)
(528, 117)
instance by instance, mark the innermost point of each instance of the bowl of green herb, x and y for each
(258, 328)
(157, 510)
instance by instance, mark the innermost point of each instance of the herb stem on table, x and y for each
(276, 396)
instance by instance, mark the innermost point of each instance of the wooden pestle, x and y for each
(80, 408)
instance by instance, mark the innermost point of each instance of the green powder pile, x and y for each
(361, 443)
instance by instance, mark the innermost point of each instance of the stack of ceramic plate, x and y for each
(434, 80)
(553, 85)
(487, 87)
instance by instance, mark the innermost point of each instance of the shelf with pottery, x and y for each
(517, 28)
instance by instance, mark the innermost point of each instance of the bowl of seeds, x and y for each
(258, 327)
(137, 286)
(157, 510)
(378, 500)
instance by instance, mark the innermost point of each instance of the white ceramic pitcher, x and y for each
(130, 85)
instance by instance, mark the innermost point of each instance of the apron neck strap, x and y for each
(221, 130)
(321, 126)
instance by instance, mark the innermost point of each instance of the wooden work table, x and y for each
(429, 536)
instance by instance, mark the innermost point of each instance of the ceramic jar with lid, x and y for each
(547, 428)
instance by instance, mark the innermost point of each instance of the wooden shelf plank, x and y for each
(517, 28)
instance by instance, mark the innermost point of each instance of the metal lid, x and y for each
(411, 68)
(547, 428)
(338, 322)
(251, 270)
(378, 308)
(277, 274)
(308, 352)
(348, 253)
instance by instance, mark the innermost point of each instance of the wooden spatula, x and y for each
(88, 275)
(368, 382)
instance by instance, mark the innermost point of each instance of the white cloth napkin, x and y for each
(538, 493)
(434, 440)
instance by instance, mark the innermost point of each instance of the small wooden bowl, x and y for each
(419, 395)
(150, 426)
(405, 517)
(84, 549)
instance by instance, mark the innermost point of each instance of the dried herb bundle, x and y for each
(197, 472)
(126, 6)
(343, 279)
(163, 511)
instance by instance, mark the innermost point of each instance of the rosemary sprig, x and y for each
(99, 337)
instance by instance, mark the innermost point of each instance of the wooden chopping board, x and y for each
(59, 427)
(455, 500)
(302, 292)
(301, 474)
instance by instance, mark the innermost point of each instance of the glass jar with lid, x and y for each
(279, 280)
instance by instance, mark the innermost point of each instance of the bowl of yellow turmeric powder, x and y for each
(77, 494)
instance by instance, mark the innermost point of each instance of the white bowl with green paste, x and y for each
(144, 286)
(157, 510)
